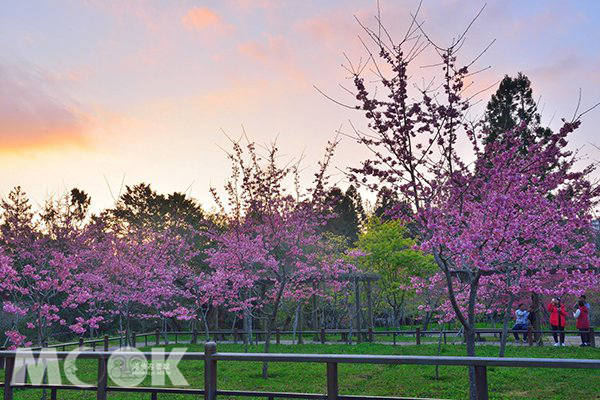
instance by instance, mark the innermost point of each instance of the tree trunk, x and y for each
(357, 304)
(295, 326)
(369, 306)
(426, 320)
(470, 341)
(537, 322)
(270, 323)
(468, 323)
(165, 331)
(206, 328)
(505, 326)
(247, 329)
(470, 333)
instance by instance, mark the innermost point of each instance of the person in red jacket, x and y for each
(557, 321)
(583, 322)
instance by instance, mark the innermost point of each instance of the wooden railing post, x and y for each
(80, 343)
(146, 339)
(394, 338)
(322, 335)
(481, 386)
(418, 335)
(277, 336)
(94, 346)
(370, 334)
(157, 334)
(9, 366)
(195, 337)
(530, 335)
(210, 371)
(133, 340)
(332, 381)
(592, 337)
(53, 394)
(101, 393)
(2, 359)
(105, 342)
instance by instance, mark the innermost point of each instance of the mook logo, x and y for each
(126, 367)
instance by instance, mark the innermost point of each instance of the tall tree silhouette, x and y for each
(349, 213)
(511, 106)
(141, 209)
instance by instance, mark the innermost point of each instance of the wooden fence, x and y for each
(210, 357)
(347, 336)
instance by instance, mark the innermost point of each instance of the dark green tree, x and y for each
(141, 209)
(17, 222)
(385, 203)
(512, 105)
(348, 213)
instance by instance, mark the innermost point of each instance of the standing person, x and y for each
(584, 299)
(521, 322)
(583, 322)
(531, 318)
(557, 320)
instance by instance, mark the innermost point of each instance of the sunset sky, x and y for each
(93, 93)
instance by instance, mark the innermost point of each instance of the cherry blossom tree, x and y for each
(513, 222)
(133, 278)
(44, 260)
(271, 248)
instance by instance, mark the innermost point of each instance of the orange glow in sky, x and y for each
(95, 93)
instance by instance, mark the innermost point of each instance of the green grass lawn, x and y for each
(384, 380)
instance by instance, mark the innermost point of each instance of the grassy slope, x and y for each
(417, 381)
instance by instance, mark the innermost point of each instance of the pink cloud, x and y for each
(31, 117)
(125, 11)
(274, 48)
(274, 52)
(205, 20)
(335, 27)
(247, 5)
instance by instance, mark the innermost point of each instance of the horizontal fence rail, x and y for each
(210, 357)
(347, 336)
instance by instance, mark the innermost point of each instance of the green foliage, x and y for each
(390, 253)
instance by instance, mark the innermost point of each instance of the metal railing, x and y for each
(211, 357)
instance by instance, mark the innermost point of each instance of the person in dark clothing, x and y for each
(531, 316)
